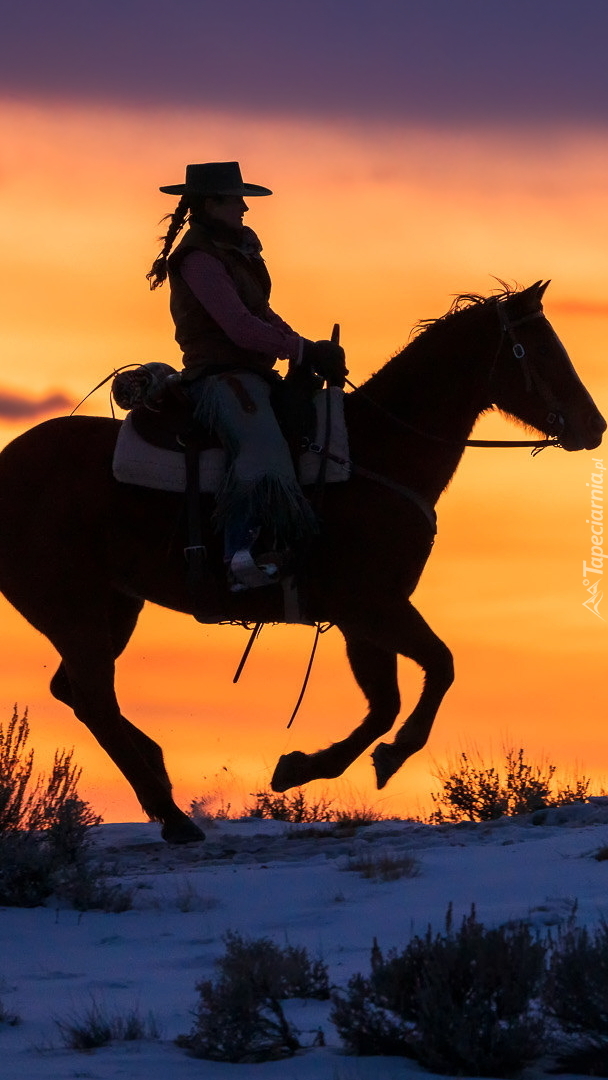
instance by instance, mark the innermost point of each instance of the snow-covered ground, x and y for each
(270, 879)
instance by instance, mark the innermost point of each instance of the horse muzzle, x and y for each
(587, 435)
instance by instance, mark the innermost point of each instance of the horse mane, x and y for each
(414, 352)
(465, 301)
(411, 360)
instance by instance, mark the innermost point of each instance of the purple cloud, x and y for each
(18, 407)
(477, 61)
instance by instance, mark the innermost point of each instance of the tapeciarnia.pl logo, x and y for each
(593, 571)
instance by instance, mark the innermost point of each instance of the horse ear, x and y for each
(540, 287)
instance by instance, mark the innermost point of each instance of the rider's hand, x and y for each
(327, 358)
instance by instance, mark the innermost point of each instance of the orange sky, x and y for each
(374, 228)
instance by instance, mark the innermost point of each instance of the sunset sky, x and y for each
(415, 150)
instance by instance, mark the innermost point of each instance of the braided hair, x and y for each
(158, 272)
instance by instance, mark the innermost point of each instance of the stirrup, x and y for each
(245, 573)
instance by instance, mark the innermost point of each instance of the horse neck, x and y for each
(411, 420)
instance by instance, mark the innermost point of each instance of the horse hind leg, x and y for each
(375, 670)
(150, 751)
(123, 616)
(123, 613)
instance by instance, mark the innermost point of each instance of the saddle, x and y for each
(159, 428)
(161, 446)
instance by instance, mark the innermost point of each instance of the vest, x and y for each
(201, 339)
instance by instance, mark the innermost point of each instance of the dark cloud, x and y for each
(18, 407)
(440, 61)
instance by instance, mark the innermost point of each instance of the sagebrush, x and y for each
(461, 1001)
(474, 791)
(577, 997)
(300, 808)
(31, 804)
(295, 807)
(239, 1016)
(44, 828)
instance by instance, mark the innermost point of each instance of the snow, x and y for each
(271, 879)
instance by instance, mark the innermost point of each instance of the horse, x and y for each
(80, 553)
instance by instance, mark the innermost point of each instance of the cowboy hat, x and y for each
(215, 178)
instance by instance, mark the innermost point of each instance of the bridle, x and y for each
(531, 379)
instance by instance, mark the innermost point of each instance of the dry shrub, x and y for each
(365, 1025)
(473, 791)
(298, 808)
(239, 1017)
(44, 829)
(35, 805)
(577, 997)
(384, 866)
(97, 1027)
(294, 807)
(459, 1002)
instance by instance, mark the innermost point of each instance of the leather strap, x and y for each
(400, 489)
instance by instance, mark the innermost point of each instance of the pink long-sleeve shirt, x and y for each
(212, 285)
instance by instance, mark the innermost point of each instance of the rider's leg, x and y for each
(261, 493)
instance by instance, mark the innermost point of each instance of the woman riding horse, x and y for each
(81, 553)
(231, 338)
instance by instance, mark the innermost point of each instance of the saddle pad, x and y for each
(137, 462)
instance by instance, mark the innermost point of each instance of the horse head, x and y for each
(533, 379)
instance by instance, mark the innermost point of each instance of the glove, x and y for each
(327, 359)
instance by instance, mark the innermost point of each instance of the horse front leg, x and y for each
(435, 659)
(372, 645)
(375, 670)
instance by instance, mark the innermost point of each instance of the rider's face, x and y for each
(228, 209)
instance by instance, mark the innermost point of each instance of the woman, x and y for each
(231, 339)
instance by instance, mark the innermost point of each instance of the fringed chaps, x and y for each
(260, 485)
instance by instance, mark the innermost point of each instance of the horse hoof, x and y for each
(289, 771)
(386, 764)
(182, 831)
